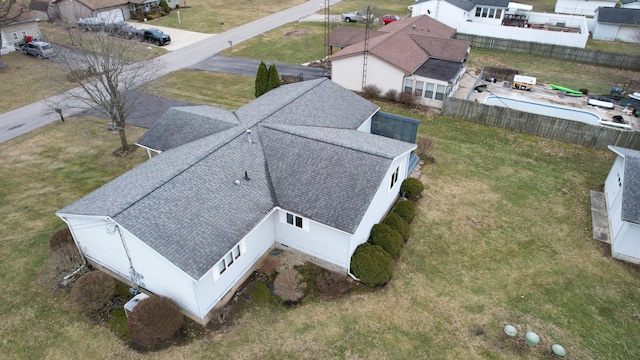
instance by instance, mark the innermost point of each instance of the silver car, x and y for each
(38, 49)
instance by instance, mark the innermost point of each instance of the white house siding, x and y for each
(635, 5)
(605, 31)
(533, 35)
(628, 34)
(382, 201)
(626, 246)
(315, 239)
(581, 7)
(613, 183)
(161, 277)
(347, 72)
(488, 11)
(212, 287)
(444, 12)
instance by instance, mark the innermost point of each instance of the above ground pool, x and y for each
(544, 109)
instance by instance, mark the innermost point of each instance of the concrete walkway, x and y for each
(599, 219)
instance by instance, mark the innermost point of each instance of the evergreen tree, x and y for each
(274, 77)
(262, 79)
(165, 6)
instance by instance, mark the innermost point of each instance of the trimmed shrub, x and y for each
(407, 99)
(390, 241)
(154, 320)
(370, 92)
(425, 149)
(372, 265)
(380, 229)
(60, 238)
(149, 17)
(411, 188)
(269, 265)
(93, 292)
(165, 7)
(406, 209)
(398, 224)
(289, 286)
(332, 284)
(391, 95)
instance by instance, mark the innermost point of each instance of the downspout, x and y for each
(136, 277)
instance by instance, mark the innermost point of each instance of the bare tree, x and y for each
(10, 11)
(112, 75)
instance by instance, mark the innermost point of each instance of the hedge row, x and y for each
(372, 262)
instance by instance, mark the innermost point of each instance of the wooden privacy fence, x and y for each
(568, 131)
(587, 56)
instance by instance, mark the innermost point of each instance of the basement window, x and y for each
(229, 259)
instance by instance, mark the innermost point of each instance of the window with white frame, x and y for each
(419, 88)
(491, 13)
(440, 92)
(229, 259)
(429, 91)
(15, 37)
(294, 220)
(394, 178)
(24, 34)
(408, 85)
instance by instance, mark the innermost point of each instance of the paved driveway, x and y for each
(179, 38)
(249, 67)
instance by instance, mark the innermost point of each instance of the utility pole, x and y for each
(365, 54)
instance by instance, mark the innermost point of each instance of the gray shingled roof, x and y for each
(619, 16)
(181, 125)
(631, 185)
(185, 204)
(439, 69)
(334, 174)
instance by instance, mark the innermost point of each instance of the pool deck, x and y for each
(540, 93)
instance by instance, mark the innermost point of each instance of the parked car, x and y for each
(156, 36)
(357, 16)
(123, 30)
(389, 18)
(91, 24)
(39, 49)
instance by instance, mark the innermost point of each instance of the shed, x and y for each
(622, 191)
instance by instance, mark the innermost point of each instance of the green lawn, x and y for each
(502, 235)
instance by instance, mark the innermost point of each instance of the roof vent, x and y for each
(414, 26)
(249, 137)
(237, 182)
(246, 176)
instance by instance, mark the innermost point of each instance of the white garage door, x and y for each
(111, 16)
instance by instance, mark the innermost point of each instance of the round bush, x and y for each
(93, 291)
(390, 241)
(406, 209)
(411, 188)
(372, 265)
(398, 224)
(154, 320)
(380, 229)
(60, 238)
(289, 285)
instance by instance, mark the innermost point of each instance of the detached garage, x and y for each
(622, 190)
(72, 10)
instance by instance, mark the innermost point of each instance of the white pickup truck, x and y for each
(356, 16)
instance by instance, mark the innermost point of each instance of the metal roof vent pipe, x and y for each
(249, 137)
(246, 176)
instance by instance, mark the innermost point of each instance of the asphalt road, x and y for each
(24, 119)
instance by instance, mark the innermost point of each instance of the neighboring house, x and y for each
(110, 10)
(582, 7)
(630, 4)
(415, 55)
(456, 12)
(622, 191)
(25, 25)
(489, 18)
(619, 24)
(298, 166)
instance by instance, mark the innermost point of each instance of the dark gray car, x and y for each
(38, 49)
